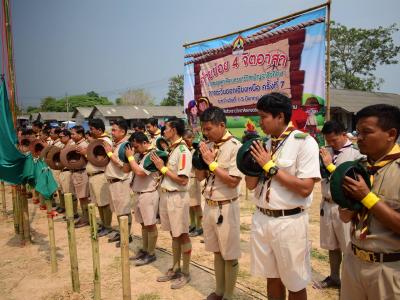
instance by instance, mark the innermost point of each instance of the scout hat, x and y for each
(149, 165)
(246, 162)
(351, 169)
(96, 154)
(36, 147)
(162, 144)
(45, 151)
(71, 158)
(53, 158)
(197, 159)
(121, 152)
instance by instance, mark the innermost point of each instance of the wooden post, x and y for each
(328, 63)
(95, 251)
(126, 277)
(25, 215)
(3, 197)
(73, 257)
(20, 215)
(52, 239)
(15, 208)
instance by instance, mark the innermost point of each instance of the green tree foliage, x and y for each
(356, 52)
(135, 97)
(89, 99)
(175, 92)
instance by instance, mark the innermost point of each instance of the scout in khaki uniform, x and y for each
(334, 234)
(65, 173)
(98, 184)
(45, 136)
(80, 179)
(372, 261)
(174, 201)
(119, 180)
(221, 191)
(55, 141)
(146, 205)
(279, 235)
(153, 131)
(196, 212)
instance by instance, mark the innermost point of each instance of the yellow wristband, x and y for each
(268, 166)
(130, 158)
(331, 168)
(109, 154)
(164, 170)
(370, 200)
(213, 166)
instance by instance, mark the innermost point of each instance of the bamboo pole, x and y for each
(3, 197)
(126, 277)
(328, 64)
(95, 251)
(15, 208)
(18, 201)
(25, 215)
(52, 239)
(73, 257)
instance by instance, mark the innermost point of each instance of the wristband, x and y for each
(213, 166)
(109, 154)
(164, 170)
(130, 158)
(331, 168)
(370, 200)
(268, 165)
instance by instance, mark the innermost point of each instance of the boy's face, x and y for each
(214, 132)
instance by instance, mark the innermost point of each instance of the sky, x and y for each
(75, 46)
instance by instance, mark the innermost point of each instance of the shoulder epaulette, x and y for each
(302, 135)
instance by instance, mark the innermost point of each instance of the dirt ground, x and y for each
(25, 271)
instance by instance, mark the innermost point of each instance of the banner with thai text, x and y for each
(233, 72)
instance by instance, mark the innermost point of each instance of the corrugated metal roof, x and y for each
(59, 116)
(138, 112)
(84, 111)
(353, 101)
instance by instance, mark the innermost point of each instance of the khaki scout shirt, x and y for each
(153, 137)
(347, 153)
(115, 172)
(215, 189)
(58, 143)
(179, 162)
(380, 238)
(90, 168)
(145, 183)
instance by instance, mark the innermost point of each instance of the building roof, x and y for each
(353, 101)
(137, 112)
(59, 116)
(84, 111)
(34, 116)
(23, 117)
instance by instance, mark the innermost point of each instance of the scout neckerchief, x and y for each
(337, 152)
(276, 144)
(153, 135)
(142, 155)
(362, 217)
(227, 136)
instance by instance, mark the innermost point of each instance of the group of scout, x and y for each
(280, 248)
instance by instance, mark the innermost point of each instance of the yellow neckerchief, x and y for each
(158, 132)
(276, 142)
(227, 136)
(372, 169)
(175, 144)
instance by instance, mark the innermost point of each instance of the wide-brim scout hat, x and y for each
(149, 165)
(162, 144)
(45, 151)
(246, 162)
(96, 154)
(36, 147)
(197, 160)
(71, 158)
(53, 158)
(121, 152)
(339, 195)
(26, 140)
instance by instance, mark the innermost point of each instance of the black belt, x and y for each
(139, 193)
(276, 213)
(78, 170)
(65, 170)
(374, 256)
(113, 180)
(95, 173)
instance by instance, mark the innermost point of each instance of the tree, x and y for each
(135, 97)
(175, 92)
(90, 99)
(356, 52)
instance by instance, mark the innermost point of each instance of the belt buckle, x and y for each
(268, 213)
(365, 255)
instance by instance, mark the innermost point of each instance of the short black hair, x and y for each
(178, 124)
(333, 127)
(122, 124)
(98, 124)
(276, 103)
(66, 132)
(152, 121)
(213, 114)
(140, 125)
(57, 130)
(79, 130)
(388, 116)
(27, 132)
(37, 124)
(138, 137)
